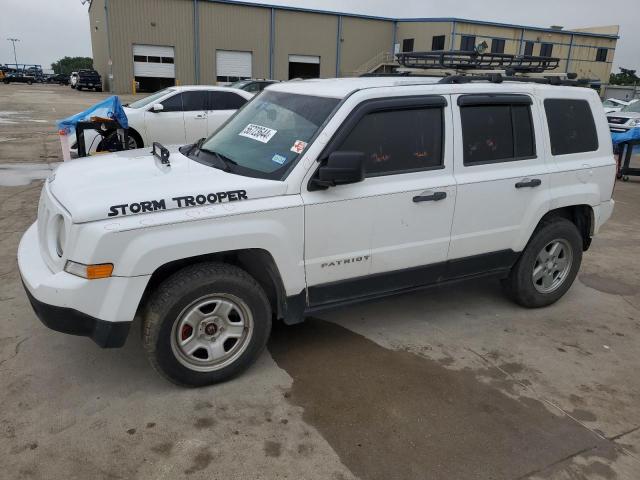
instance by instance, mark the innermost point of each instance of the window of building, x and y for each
(229, 79)
(437, 43)
(528, 48)
(571, 126)
(497, 45)
(601, 55)
(546, 49)
(407, 45)
(139, 58)
(167, 59)
(225, 101)
(398, 141)
(497, 133)
(152, 59)
(467, 43)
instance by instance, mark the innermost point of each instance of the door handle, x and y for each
(434, 197)
(201, 117)
(526, 183)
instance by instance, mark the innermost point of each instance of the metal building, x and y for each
(165, 42)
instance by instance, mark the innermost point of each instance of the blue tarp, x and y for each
(108, 108)
(629, 135)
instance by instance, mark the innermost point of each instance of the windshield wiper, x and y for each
(225, 163)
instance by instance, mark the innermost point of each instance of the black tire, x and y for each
(98, 89)
(519, 285)
(176, 294)
(79, 88)
(29, 82)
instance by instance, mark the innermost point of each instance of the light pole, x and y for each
(15, 57)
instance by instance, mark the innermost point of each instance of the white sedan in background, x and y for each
(175, 116)
(611, 105)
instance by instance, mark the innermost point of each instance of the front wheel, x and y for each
(206, 324)
(548, 266)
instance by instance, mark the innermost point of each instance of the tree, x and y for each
(625, 77)
(67, 65)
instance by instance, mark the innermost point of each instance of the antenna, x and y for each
(15, 57)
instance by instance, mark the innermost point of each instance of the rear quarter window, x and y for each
(571, 126)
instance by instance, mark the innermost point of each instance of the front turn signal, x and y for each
(90, 272)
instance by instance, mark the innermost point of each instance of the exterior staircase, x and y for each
(383, 62)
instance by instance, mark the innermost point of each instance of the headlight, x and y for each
(57, 236)
(635, 123)
(90, 272)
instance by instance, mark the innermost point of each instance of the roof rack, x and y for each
(472, 60)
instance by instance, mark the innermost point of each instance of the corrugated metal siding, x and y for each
(423, 33)
(363, 40)
(99, 40)
(150, 22)
(299, 33)
(233, 27)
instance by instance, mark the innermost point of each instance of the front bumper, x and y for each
(100, 309)
(67, 320)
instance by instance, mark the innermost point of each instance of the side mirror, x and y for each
(157, 107)
(341, 168)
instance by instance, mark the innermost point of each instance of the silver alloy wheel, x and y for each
(212, 332)
(131, 143)
(552, 266)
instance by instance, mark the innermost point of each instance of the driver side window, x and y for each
(398, 141)
(173, 104)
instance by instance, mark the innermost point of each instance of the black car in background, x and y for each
(19, 77)
(89, 79)
(59, 78)
(252, 86)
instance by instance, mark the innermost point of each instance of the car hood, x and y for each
(134, 182)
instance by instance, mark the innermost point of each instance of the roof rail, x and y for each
(499, 78)
(472, 60)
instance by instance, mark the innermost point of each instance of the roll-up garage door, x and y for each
(232, 65)
(154, 61)
(304, 59)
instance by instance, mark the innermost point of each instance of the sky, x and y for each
(51, 29)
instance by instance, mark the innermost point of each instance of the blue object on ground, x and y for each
(108, 108)
(628, 136)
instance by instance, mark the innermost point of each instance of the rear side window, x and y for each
(225, 101)
(571, 126)
(497, 133)
(398, 141)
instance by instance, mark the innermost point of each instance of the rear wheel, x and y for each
(206, 324)
(548, 266)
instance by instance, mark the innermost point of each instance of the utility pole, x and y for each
(15, 57)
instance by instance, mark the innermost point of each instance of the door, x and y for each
(501, 172)
(167, 125)
(232, 66)
(194, 105)
(153, 67)
(221, 105)
(304, 66)
(392, 230)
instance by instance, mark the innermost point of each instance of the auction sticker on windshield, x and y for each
(258, 132)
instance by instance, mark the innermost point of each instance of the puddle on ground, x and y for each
(395, 415)
(608, 284)
(17, 174)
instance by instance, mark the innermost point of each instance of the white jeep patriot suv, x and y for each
(316, 194)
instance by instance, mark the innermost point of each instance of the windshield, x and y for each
(143, 102)
(265, 137)
(634, 107)
(240, 83)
